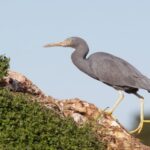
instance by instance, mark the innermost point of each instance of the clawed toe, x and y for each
(139, 128)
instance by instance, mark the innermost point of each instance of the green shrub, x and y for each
(4, 66)
(25, 125)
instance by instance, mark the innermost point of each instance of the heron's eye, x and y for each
(69, 42)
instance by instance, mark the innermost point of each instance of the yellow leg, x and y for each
(142, 121)
(119, 99)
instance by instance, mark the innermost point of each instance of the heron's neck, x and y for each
(79, 58)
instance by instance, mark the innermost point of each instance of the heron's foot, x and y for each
(140, 126)
(138, 129)
(109, 112)
(105, 111)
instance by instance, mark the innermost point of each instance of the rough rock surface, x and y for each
(108, 128)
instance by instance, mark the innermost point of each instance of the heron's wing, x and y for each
(116, 71)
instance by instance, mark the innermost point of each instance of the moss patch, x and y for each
(26, 125)
(4, 66)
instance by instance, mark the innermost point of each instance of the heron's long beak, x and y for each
(56, 44)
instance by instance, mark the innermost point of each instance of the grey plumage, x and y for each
(108, 68)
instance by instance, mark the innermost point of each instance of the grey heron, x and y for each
(110, 70)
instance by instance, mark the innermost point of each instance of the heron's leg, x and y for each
(119, 99)
(142, 121)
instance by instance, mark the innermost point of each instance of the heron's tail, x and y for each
(145, 84)
(148, 89)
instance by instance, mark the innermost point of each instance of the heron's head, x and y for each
(69, 42)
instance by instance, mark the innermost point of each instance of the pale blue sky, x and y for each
(118, 27)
